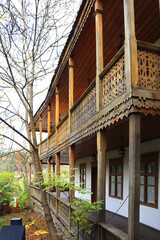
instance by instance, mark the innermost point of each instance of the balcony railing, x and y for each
(114, 85)
(85, 107)
(148, 66)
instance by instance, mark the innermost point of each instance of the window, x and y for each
(116, 178)
(149, 179)
(83, 175)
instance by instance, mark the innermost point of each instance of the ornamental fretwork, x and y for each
(85, 110)
(148, 70)
(113, 83)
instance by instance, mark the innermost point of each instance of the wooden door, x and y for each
(94, 183)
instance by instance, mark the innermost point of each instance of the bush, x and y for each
(7, 189)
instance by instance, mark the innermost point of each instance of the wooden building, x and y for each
(102, 110)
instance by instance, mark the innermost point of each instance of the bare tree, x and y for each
(31, 36)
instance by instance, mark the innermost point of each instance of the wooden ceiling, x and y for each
(118, 135)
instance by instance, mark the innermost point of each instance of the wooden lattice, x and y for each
(148, 70)
(113, 83)
(53, 141)
(63, 132)
(85, 110)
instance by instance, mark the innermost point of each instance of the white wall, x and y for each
(86, 160)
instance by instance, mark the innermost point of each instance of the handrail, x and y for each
(84, 94)
(148, 46)
(118, 55)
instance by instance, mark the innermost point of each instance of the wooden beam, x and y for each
(49, 126)
(134, 176)
(40, 134)
(71, 90)
(49, 171)
(41, 164)
(99, 50)
(101, 171)
(131, 62)
(58, 171)
(72, 166)
(57, 113)
(30, 174)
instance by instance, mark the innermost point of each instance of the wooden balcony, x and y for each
(118, 98)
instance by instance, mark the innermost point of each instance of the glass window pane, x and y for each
(142, 167)
(119, 179)
(113, 169)
(118, 189)
(113, 189)
(118, 169)
(141, 179)
(142, 193)
(112, 178)
(151, 195)
(151, 167)
(151, 180)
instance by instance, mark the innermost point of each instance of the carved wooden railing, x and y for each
(52, 140)
(63, 130)
(148, 66)
(113, 79)
(44, 146)
(85, 107)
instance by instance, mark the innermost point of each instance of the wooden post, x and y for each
(101, 171)
(30, 174)
(57, 171)
(40, 134)
(49, 126)
(41, 164)
(131, 62)
(49, 171)
(57, 112)
(71, 166)
(71, 90)
(99, 50)
(134, 176)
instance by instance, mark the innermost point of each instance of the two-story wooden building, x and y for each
(102, 110)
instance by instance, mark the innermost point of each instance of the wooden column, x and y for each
(49, 171)
(134, 176)
(49, 126)
(30, 174)
(40, 134)
(57, 112)
(71, 166)
(34, 176)
(71, 89)
(57, 171)
(101, 171)
(41, 164)
(131, 62)
(99, 50)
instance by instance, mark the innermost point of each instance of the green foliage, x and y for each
(22, 193)
(83, 209)
(7, 186)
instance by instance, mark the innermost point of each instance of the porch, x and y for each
(114, 223)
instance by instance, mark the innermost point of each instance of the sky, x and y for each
(42, 84)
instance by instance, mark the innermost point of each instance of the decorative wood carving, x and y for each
(63, 131)
(85, 110)
(113, 83)
(148, 69)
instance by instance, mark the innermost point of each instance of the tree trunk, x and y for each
(37, 167)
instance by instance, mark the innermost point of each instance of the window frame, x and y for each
(113, 162)
(146, 159)
(82, 166)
